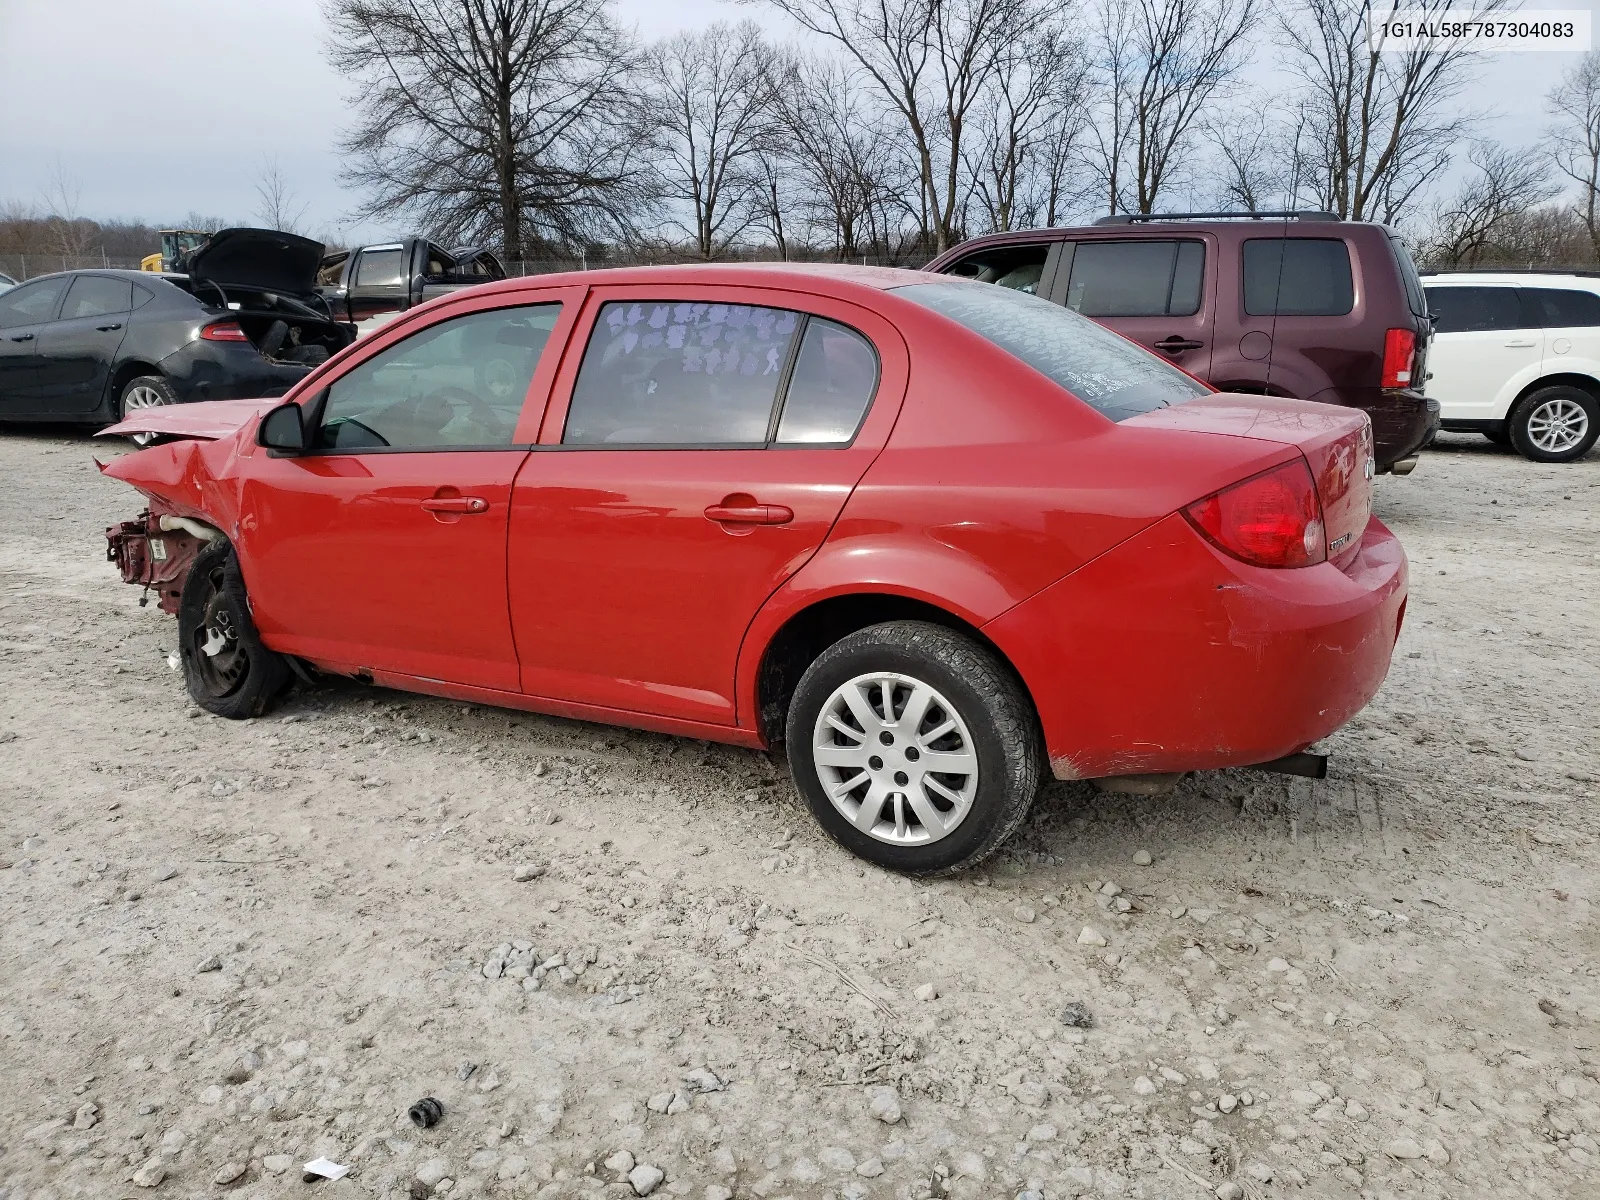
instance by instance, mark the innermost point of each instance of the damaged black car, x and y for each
(242, 319)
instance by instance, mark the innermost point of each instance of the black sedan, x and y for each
(245, 320)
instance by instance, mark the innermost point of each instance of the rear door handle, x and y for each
(1521, 345)
(107, 328)
(1175, 343)
(23, 337)
(750, 514)
(456, 504)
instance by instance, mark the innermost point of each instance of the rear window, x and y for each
(1474, 309)
(1297, 277)
(1136, 279)
(380, 268)
(1564, 308)
(1101, 368)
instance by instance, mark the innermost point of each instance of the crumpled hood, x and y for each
(262, 258)
(208, 420)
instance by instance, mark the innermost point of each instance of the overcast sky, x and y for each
(162, 107)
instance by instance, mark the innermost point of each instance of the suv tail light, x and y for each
(224, 331)
(1273, 519)
(1399, 349)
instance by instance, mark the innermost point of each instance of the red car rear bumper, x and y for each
(1166, 655)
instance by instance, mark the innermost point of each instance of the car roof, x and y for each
(1581, 281)
(1141, 230)
(754, 274)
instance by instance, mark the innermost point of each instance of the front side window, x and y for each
(1474, 309)
(1136, 279)
(459, 383)
(1297, 277)
(97, 296)
(1564, 308)
(380, 268)
(680, 373)
(1017, 267)
(30, 303)
(1099, 367)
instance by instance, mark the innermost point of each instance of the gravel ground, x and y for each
(628, 964)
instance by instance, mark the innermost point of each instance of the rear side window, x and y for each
(1101, 368)
(1563, 308)
(680, 373)
(1136, 279)
(1474, 309)
(380, 268)
(96, 296)
(834, 378)
(1017, 267)
(1297, 277)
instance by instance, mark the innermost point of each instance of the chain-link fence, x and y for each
(26, 266)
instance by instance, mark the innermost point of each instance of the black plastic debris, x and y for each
(1076, 1014)
(426, 1113)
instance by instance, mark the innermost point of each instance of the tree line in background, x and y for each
(544, 128)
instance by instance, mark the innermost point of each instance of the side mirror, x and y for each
(283, 429)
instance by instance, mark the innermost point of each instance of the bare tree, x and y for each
(845, 160)
(1253, 157)
(929, 62)
(279, 204)
(1380, 123)
(514, 118)
(70, 232)
(1161, 63)
(1505, 185)
(714, 114)
(1575, 103)
(1029, 121)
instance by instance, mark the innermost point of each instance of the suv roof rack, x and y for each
(1584, 272)
(1311, 214)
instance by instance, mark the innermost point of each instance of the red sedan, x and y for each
(934, 537)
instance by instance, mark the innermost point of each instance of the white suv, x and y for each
(1516, 357)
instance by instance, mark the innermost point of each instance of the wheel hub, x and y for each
(1557, 425)
(895, 758)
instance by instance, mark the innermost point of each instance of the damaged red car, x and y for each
(933, 538)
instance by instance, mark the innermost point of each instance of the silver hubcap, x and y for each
(142, 397)
(895, 758)
(1558, 425)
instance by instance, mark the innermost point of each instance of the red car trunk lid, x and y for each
(1337, 442)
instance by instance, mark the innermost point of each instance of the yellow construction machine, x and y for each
(175, 243)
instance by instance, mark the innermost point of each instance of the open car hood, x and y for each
(209, 420)
(260, 258)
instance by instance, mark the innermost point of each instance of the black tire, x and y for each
(984, 695)
(1498, 436)
(153, 390)
(1534, 437)
(241, 678)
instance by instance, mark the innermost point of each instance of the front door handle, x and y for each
(107, 328)
(1173, 344)
(750, 514)
(456, 504)
(1521, 345)
(23, 337)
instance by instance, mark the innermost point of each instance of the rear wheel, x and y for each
(914, 747)
(141, 393)
(1555, 424)
(227, 669)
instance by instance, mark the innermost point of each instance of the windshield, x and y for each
(1101, 368)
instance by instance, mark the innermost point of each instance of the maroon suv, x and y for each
(1288, 304)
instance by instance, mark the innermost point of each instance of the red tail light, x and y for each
(1273, 519)
(1399, 351)
(224, 331)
